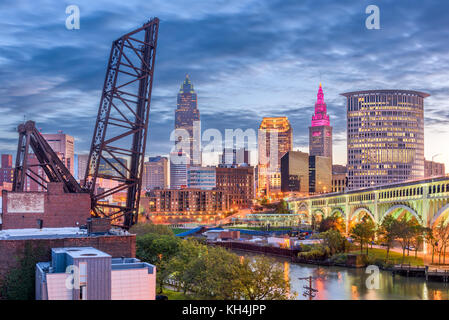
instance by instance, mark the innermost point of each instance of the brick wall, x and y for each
(56, 208)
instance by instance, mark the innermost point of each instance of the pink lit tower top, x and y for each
(320, 132)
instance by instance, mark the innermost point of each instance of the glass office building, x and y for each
(385, 130)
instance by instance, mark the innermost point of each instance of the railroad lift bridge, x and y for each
(119, 137)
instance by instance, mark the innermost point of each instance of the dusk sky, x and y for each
(247, 59)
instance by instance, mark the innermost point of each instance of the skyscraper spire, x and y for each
(320, 118)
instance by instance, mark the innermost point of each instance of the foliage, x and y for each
(158, 250)
(386, 233)
(264, 279)
(331, 223)
(334, 241)
(141, 229)
(363, 232)
(282, 207)
(19, 283)
(315, 252)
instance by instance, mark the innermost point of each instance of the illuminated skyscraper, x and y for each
(385, 136)
(320, 132)
(275, 139)
(187, 116)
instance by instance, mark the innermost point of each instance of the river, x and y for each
(339, 283)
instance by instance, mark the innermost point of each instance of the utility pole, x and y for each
(309, 291)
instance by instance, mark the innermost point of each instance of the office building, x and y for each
(320, 132)
(385, 142)
(320, 174)
(63, 145)
(101, 277)
(187, 117)
(155, 173)
(179, 164)
(433, 169)
(274, 140)
(232, 156)
(82, 165)
(237, 183)
(295, 172)
(6, 171)
(201, 178)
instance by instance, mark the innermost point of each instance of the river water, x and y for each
(339, 283)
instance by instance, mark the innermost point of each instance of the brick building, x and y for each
(237, 183)
(54, 208)
(6, 171)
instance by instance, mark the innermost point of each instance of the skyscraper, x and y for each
(320, 132)
(275, 139)
(187, 117)
(155, 173)
(179, 165)
(385, 136)
(64, 145)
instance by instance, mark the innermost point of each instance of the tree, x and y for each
(158, 250)
(19, 283)
(386, 233)
(363, 232)
(334, 240)
(430, 238)
(264, 279)
(404, 233)
(141, 229)
(189, 251)
(282, 207)
(442, 237)
(331, 223)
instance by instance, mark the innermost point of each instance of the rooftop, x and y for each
(51, 233)
(419, 93)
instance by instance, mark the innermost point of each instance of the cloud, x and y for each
(247, 59)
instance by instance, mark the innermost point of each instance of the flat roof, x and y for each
(419, 93)
(81, 252)
(44, 233)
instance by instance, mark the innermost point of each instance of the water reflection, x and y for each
(337, 283)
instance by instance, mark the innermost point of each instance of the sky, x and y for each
(247, 59)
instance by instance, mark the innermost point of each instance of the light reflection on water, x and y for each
(338, 283)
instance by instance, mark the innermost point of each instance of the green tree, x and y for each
(334, 240)
(19, 283)
(363, 232)
(141, 229)
(158, 250)
(404, 233)
(282, 207)
(331, 223)
(386, 233)
(181, 264)
(263, 278)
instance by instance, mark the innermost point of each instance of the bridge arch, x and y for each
(441, 213)
(401, 206)
(356, 213)
(339, 211)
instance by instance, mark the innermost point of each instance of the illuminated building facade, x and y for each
(179, 165)
(433, 169)
(274, 140)
(238, 185)
(320, 174)
(186, 115)
(63, 145)
(155, 173)
(295, 172)
(6, 171)
(201, 178)
(385, 142)
(320, 132)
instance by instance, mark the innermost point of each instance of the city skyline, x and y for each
(231, 74)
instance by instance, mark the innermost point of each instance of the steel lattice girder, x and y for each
(122, 124)
(53, 168)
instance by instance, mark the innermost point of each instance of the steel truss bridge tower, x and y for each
(119, 137)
